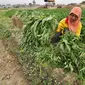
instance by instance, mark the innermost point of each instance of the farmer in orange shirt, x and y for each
(71, 23)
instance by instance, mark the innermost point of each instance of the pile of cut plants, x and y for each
(39, 57)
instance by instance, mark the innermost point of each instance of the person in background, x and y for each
(70, 23)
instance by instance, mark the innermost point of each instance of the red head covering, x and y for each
(73, 26)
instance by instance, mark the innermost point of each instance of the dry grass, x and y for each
(17, 22)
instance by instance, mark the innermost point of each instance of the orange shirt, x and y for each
(63, 24)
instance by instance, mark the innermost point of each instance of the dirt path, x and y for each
(10, 70)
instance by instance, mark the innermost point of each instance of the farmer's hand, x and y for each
(66, 30)
(56, 38)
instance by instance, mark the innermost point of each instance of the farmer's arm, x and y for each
(59, 32)
(62, 24)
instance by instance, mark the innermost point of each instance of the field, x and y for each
(28, 37)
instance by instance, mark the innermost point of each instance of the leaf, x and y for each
(71, 67)
(83, 69)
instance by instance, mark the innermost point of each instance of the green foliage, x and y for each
(69, 53)
(4, 33)
(38, 56)
(37, 30)
(10, 13)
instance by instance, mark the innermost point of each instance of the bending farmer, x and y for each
(71, 23)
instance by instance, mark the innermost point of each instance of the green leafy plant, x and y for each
(4, 33)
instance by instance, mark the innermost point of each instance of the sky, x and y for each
(38, 1)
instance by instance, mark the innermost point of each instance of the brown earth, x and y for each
(17, 22)
(10, 70)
